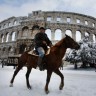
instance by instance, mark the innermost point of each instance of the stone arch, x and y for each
(78, 35)
(35, 30)
(35, 27)
(68, 32)
(25, 27)
(15, 22)
(58, 34)
(48, 32)
(25, 31)
(7, 36)
(9, 49)
(17, 34)
(4, 48)
(94, 37)
(87, 34)
(13, 36)
(2, 38)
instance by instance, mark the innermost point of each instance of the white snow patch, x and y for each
(77, 83)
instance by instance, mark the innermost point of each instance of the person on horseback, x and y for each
(42, 42)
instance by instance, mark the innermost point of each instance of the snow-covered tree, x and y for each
(86, 54)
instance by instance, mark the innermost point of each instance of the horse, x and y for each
(54, 60)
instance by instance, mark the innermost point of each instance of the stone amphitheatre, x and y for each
(17, 33)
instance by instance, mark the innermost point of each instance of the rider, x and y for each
(41, 42)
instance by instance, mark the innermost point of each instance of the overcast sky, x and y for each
(9, 8)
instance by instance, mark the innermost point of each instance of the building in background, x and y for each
(17, 33)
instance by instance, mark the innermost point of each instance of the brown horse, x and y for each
(54, 60)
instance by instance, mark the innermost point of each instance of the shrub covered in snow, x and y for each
(86, 54)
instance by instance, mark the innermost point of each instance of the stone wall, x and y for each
(16, 31)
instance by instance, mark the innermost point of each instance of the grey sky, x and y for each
(16, 8)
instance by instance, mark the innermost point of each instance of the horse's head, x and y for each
(70, 43)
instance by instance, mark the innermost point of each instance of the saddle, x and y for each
(35, 53)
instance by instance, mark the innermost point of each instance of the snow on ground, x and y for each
(77, 83)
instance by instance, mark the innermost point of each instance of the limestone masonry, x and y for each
(16, 33)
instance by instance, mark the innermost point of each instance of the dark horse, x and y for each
(54, 60)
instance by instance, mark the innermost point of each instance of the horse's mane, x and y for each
(59, 43)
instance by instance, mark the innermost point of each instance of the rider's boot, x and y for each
(40, 63)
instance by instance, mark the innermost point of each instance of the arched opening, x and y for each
(69, 33)
(87, 34)
(25, 31)
(78, 35)
(94, 37)
(48, 32)
(14, 36)
(9, 24)
(58, 35)
(15, 22)
(35, 27)
(9, 49)
(4, 49)
(2, 38)
(24, 28)
(7, 37)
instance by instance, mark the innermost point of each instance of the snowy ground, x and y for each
(77, 83)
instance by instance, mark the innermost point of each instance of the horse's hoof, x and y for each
(61, 87)
(47, 91)
(29, 87)
(11, 85)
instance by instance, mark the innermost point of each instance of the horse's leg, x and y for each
(62, 78)
(49, 73)
(15, 73)
(27, 77)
